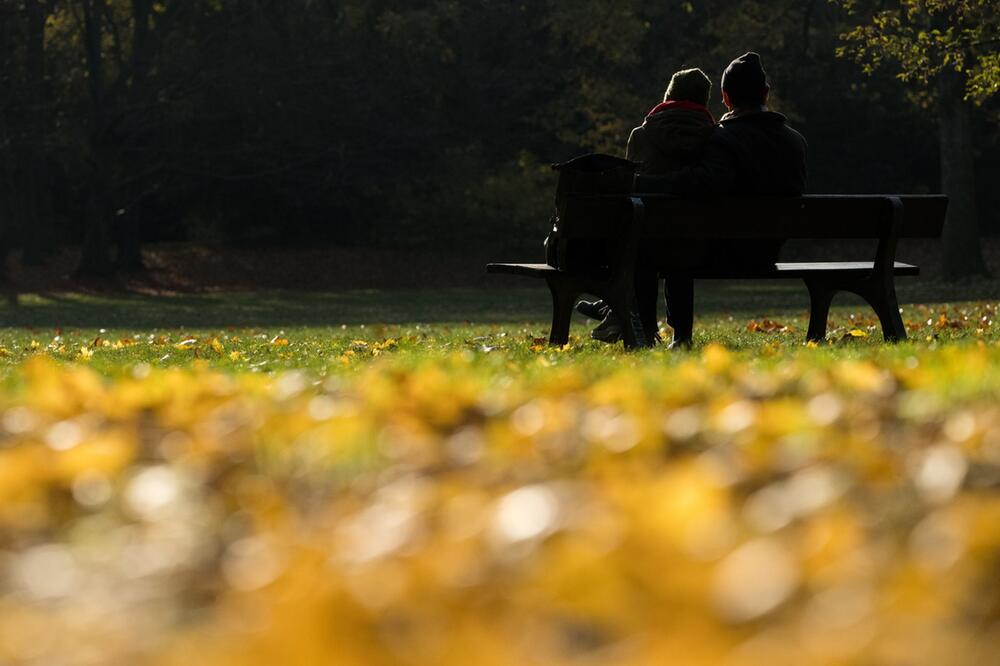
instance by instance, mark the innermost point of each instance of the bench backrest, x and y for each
(811, 216)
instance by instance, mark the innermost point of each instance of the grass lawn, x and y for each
(115, 332)
(417, 478)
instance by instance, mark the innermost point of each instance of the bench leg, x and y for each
(820, 298)
(563, 300)
(887, 308)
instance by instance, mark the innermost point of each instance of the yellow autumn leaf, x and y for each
(716, 358)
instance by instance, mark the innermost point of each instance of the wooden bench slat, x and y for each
(530, 270)
(810, 216)
(786, 270)
(783, 270)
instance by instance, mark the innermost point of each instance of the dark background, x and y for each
(426, 125)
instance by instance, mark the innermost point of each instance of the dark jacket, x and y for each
(754, 153)
(672, 137)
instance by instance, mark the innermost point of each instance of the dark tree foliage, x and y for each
(392, 123)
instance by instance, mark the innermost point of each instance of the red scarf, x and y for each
(681, 104)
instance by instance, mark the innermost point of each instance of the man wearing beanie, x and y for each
(752, 151)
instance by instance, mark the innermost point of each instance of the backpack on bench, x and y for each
(585, 175)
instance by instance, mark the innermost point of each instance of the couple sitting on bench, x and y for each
(751, 151)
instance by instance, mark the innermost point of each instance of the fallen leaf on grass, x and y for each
(944, 322)
(853, 334)
(767, 326)
(385, 345)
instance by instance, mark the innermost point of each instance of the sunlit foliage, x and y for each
(925, 37)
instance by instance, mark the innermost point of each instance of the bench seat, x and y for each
(786, 270)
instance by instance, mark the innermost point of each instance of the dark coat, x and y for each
(669, 140)
(754, 153)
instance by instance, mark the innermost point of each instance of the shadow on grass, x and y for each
(482, 306)
(249, 309)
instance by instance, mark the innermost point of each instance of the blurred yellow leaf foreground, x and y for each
(713, 509)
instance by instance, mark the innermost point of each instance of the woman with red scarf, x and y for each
(672, 137)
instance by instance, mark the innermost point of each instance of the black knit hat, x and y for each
(745, 80)
(689, 85)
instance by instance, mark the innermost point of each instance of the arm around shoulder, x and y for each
(715, 173)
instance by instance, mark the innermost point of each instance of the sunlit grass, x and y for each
(323, 348)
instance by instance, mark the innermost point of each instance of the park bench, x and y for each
(625, 222)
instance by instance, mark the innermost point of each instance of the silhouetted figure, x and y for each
(752, 151)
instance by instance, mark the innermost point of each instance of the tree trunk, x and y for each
(128, 226)
(129, 240)
(34, 229)
(7, 212)
(962, 250)
(95, 258)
